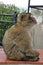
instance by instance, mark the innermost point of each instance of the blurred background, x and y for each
(9, 9)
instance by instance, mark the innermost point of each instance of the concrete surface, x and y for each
(37, 35)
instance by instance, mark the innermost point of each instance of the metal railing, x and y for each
(39, 7)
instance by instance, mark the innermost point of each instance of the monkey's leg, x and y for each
(15, 53)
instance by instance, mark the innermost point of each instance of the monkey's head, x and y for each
(26, 19)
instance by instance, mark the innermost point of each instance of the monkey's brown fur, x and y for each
(17, 40)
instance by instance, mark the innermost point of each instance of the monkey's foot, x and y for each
(32, 55)
(30, 58)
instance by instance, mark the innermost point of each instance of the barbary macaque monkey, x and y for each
(17, 39)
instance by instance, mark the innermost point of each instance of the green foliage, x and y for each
(6, 9)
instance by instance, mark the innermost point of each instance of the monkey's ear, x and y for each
(21, 17)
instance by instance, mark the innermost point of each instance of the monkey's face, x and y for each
(26, 19)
